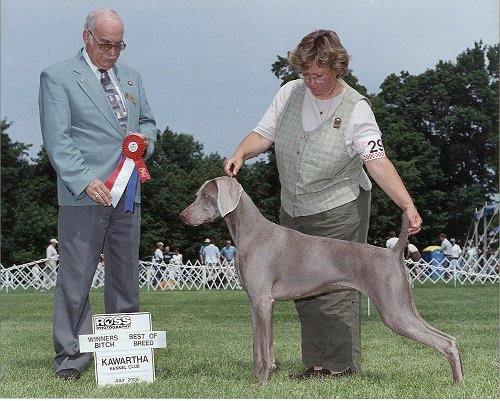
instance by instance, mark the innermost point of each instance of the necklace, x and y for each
(323, 115)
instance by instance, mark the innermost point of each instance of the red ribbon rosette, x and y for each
(134, 147)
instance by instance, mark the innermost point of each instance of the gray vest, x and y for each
(316, 172)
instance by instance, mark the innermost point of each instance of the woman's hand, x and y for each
(233, 165)
(415, 220)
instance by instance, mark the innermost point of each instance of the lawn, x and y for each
(209, 353)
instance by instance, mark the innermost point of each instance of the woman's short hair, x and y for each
(322, 47)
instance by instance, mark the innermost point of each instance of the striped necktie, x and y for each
(114, 99)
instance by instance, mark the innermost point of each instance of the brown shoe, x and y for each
(308, 374)
(347, 372)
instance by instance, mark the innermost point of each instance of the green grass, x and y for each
(209, 351)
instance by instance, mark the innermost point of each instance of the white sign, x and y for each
(123, 347)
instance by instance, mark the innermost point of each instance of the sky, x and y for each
(206, 64)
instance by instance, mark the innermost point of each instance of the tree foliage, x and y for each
(440, 129)
(450, 120)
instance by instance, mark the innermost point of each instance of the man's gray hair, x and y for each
(91, 20)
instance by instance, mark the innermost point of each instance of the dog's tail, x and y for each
(403, 235)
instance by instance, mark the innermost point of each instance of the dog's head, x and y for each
(216, 197)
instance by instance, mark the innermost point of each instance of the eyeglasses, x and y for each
(316, 78)
(108, 46)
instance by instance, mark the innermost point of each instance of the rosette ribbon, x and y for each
(130, 168)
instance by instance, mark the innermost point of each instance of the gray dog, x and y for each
(329, 265)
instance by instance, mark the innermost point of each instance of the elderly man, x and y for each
(89, 105)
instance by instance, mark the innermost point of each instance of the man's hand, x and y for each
(144, 137)
(99, 192)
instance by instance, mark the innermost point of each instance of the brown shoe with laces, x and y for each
(347, 372)
(311, 373)
(308, 374)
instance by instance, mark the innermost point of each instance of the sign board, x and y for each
(123, 347)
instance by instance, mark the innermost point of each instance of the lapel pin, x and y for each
(336, 123)
(130, 97)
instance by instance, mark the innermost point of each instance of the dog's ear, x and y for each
(229, 194)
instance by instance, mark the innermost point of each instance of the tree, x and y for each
(29, 202)
(178, 168)
(454, 109)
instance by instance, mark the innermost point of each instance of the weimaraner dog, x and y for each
(329, 265)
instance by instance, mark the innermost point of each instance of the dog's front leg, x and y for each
(263, 356)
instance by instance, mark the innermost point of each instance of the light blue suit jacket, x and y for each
(81, 133)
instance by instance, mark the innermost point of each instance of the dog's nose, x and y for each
(183, 215)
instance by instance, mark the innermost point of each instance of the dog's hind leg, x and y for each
(401, 316)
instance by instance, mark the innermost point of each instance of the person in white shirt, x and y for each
(158, 266)
(456, 252)
(392, 240)
(413, 256)
(49, 272)
(177, 257)
(211, 257)
(446, 249)
(445, 245)
(158, 256)
(211, 254)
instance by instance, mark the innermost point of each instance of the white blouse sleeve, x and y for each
(363, 136)
(267, 125)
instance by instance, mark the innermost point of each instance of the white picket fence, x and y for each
(189, 276)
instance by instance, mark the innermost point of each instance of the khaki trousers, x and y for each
(330, 323)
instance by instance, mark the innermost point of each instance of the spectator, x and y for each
(456, 251)
(49, 272)
(392, 239)
(201, 256)
(228, 252)
(211, 256)
(51, 254)
(158, 265)
(174, 268)
(412, 253)
(36, 277)
(177, 257)
(167, 255)
(446, 249)
(158, 255)
(472, 253)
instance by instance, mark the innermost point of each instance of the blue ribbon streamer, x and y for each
(130, 191)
